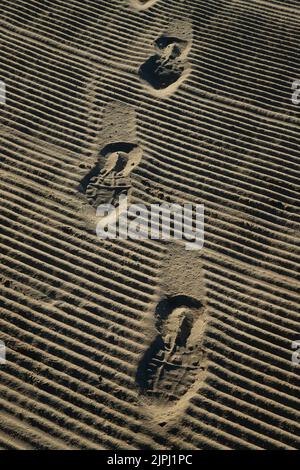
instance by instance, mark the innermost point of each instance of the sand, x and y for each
(141, 344)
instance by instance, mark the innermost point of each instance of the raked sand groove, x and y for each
(78, 315)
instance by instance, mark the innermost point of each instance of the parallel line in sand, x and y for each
(76, 374)
(235, 428)
(273, 412)
(63, 335)
(232, 124)
(229, 400)
(286, 297)
(284, 116)
(264, 293)
(241, 311)
(26, 224)
(228, 189)
(277, 418)
(224, 221)
(146, 254)
(228, 441)
(148, 246)
(122, 313)
(75, 394)
(66, 162)
(58, 273)
(272, 276)
(163, 177)
(265, 218)
(255, 245)
(9, 442)
(239, 339)
(87, 428)
(287, 244)
(32, 247)
(193, 140)
(211, 157)
(19, 230)
(32, 439)
(220, 318)
(278, 387)
(41, 425)
(87, 369)
(88, 325)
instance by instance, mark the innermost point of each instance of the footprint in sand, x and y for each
(173, 361)
(106, 185)
(176, 359)
(164, 71)
(111, 175)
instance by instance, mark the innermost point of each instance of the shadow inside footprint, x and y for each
(171, 364)
(105, 183)
(167, 66)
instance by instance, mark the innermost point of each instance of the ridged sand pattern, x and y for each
(78, 314)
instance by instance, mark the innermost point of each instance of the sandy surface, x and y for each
(141, 344)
